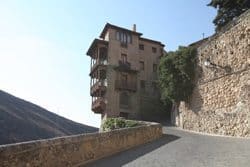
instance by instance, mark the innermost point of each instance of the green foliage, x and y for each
(176, 74)
(117, 123)
(227, 10)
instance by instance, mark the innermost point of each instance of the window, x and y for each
(124, 58)
(154, 50)
(154, 67)
(124, 100)
(123, 37)
(124, 79)
(124, 115)
(142, 85)
(161, 51)
(141, 65)
(141, 46)
(129, 39)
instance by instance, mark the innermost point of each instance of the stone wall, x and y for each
(76, 150)
(220, 102)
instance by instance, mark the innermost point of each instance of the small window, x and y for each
(154, 49)
(141, 65)
(124, 79)
(124, 115)
(161, 51)
(124, 58)
(141, 46)
(154, 67)
(142, 84)
(124, 100)
(124, 38)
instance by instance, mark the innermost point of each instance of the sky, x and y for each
(43, 44)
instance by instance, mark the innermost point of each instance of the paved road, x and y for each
(179, 148)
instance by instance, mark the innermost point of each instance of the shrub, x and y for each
(117, 123)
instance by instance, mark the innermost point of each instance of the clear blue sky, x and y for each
(43, 44)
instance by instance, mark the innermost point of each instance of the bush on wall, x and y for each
(117, 123)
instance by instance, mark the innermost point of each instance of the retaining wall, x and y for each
(76, 150)
(220, 103)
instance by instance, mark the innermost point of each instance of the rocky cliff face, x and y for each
(21, 121)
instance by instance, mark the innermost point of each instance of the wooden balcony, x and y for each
(121, 85)
(97, 44)
(99, 105)
(100, 65)
(99, 88)
(125, 67)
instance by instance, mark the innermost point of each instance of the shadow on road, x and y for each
(125, 157)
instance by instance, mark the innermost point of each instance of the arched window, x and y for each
(124, 100)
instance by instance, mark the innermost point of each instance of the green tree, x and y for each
(176, 74)
(227, 10)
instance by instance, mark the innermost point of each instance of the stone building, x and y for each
(220, 102)
(123, 71)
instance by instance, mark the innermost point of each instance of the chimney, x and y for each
(134, 28)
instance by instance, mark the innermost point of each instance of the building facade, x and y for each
(123, 71)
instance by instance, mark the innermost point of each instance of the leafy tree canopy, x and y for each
(227, 10)
(176, 74)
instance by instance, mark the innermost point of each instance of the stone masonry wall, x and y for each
(76, 150)
(220, 102)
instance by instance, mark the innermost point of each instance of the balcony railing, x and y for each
(124, 66)
(99, 86)
(97, 63)
(122, 85)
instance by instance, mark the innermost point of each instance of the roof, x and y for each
(94, 43)
(108, 25)
(153, 41)
(199, 42)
